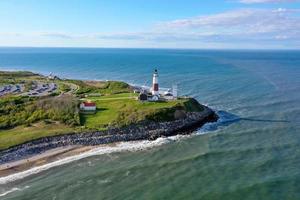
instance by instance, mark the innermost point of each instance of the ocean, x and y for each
(252, 152)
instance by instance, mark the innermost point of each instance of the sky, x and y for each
(199, 24)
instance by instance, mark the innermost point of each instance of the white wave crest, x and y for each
(119, 147)
(12, 190)
(225, 119)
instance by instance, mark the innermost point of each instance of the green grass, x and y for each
(112, 111)
(124, 109)
(17, 77)
(21, 134)
(98, 87)
(64, 87)
(115, 96)
(20, 110)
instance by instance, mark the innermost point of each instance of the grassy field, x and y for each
(21, 134)
(17, 77)
(100, 87)
(77, 87)
(112, 110)
(115, 96)
(124, 109)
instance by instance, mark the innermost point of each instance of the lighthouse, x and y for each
(155, 88)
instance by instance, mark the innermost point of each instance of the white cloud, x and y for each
(55, 35)
(48, 34)
(238, 28)
(247, 22)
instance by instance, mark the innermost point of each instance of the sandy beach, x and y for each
(42, 159)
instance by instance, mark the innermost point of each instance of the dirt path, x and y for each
(115, 98)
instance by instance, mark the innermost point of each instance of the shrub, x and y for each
(24, 110)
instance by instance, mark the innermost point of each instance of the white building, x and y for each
(175, 91)
(154, 98)
(155, 86)
(168, 95)
(52, 77)
(88, 106)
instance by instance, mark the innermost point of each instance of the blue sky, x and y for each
(224, 24)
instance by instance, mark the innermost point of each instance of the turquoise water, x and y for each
(251, 153)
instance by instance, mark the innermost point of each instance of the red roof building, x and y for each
(88, 106)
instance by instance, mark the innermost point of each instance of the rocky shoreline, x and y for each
(147, 130)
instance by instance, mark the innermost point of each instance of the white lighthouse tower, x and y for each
(155, 87)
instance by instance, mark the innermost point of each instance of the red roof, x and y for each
(89, 104)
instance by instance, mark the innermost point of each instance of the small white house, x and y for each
(88, 106)
(52, 77)
(154, 98)
(168, 96)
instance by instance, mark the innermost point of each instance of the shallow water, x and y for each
(251, 153)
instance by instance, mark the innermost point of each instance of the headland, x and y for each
(45, 117)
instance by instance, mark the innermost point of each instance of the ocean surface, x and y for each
(252, 152)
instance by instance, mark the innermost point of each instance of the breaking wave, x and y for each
(106, 149)
(12, 190)
(225, 119)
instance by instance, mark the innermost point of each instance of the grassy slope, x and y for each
(103, 88)
(17, 77)
(109, 110)
(21, 134)
(123, 109)
(16, 111)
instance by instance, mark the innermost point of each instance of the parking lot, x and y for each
(11, 89)
(37, 89)
(41, 89)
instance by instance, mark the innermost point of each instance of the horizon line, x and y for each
(156, 48)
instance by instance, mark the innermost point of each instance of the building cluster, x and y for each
(11, 89)
(155, 94)
(152, 94)
(52, 77)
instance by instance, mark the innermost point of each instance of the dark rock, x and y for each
(144, 130)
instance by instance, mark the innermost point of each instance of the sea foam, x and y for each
(119, 147)
(12, 190)
(106, 149)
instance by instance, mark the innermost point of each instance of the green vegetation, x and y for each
(16, 74)
(21, 134)
(122, 109)
(64, 87)
(17, 77)
(24, 118)
(20, 110)
(103, 88)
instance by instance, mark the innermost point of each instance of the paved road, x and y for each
(115, 98)
(73, 87)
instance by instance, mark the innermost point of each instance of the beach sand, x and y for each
(42, 159)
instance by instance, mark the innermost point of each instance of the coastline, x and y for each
(41, 159)
(59, 157)
(50, 149)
